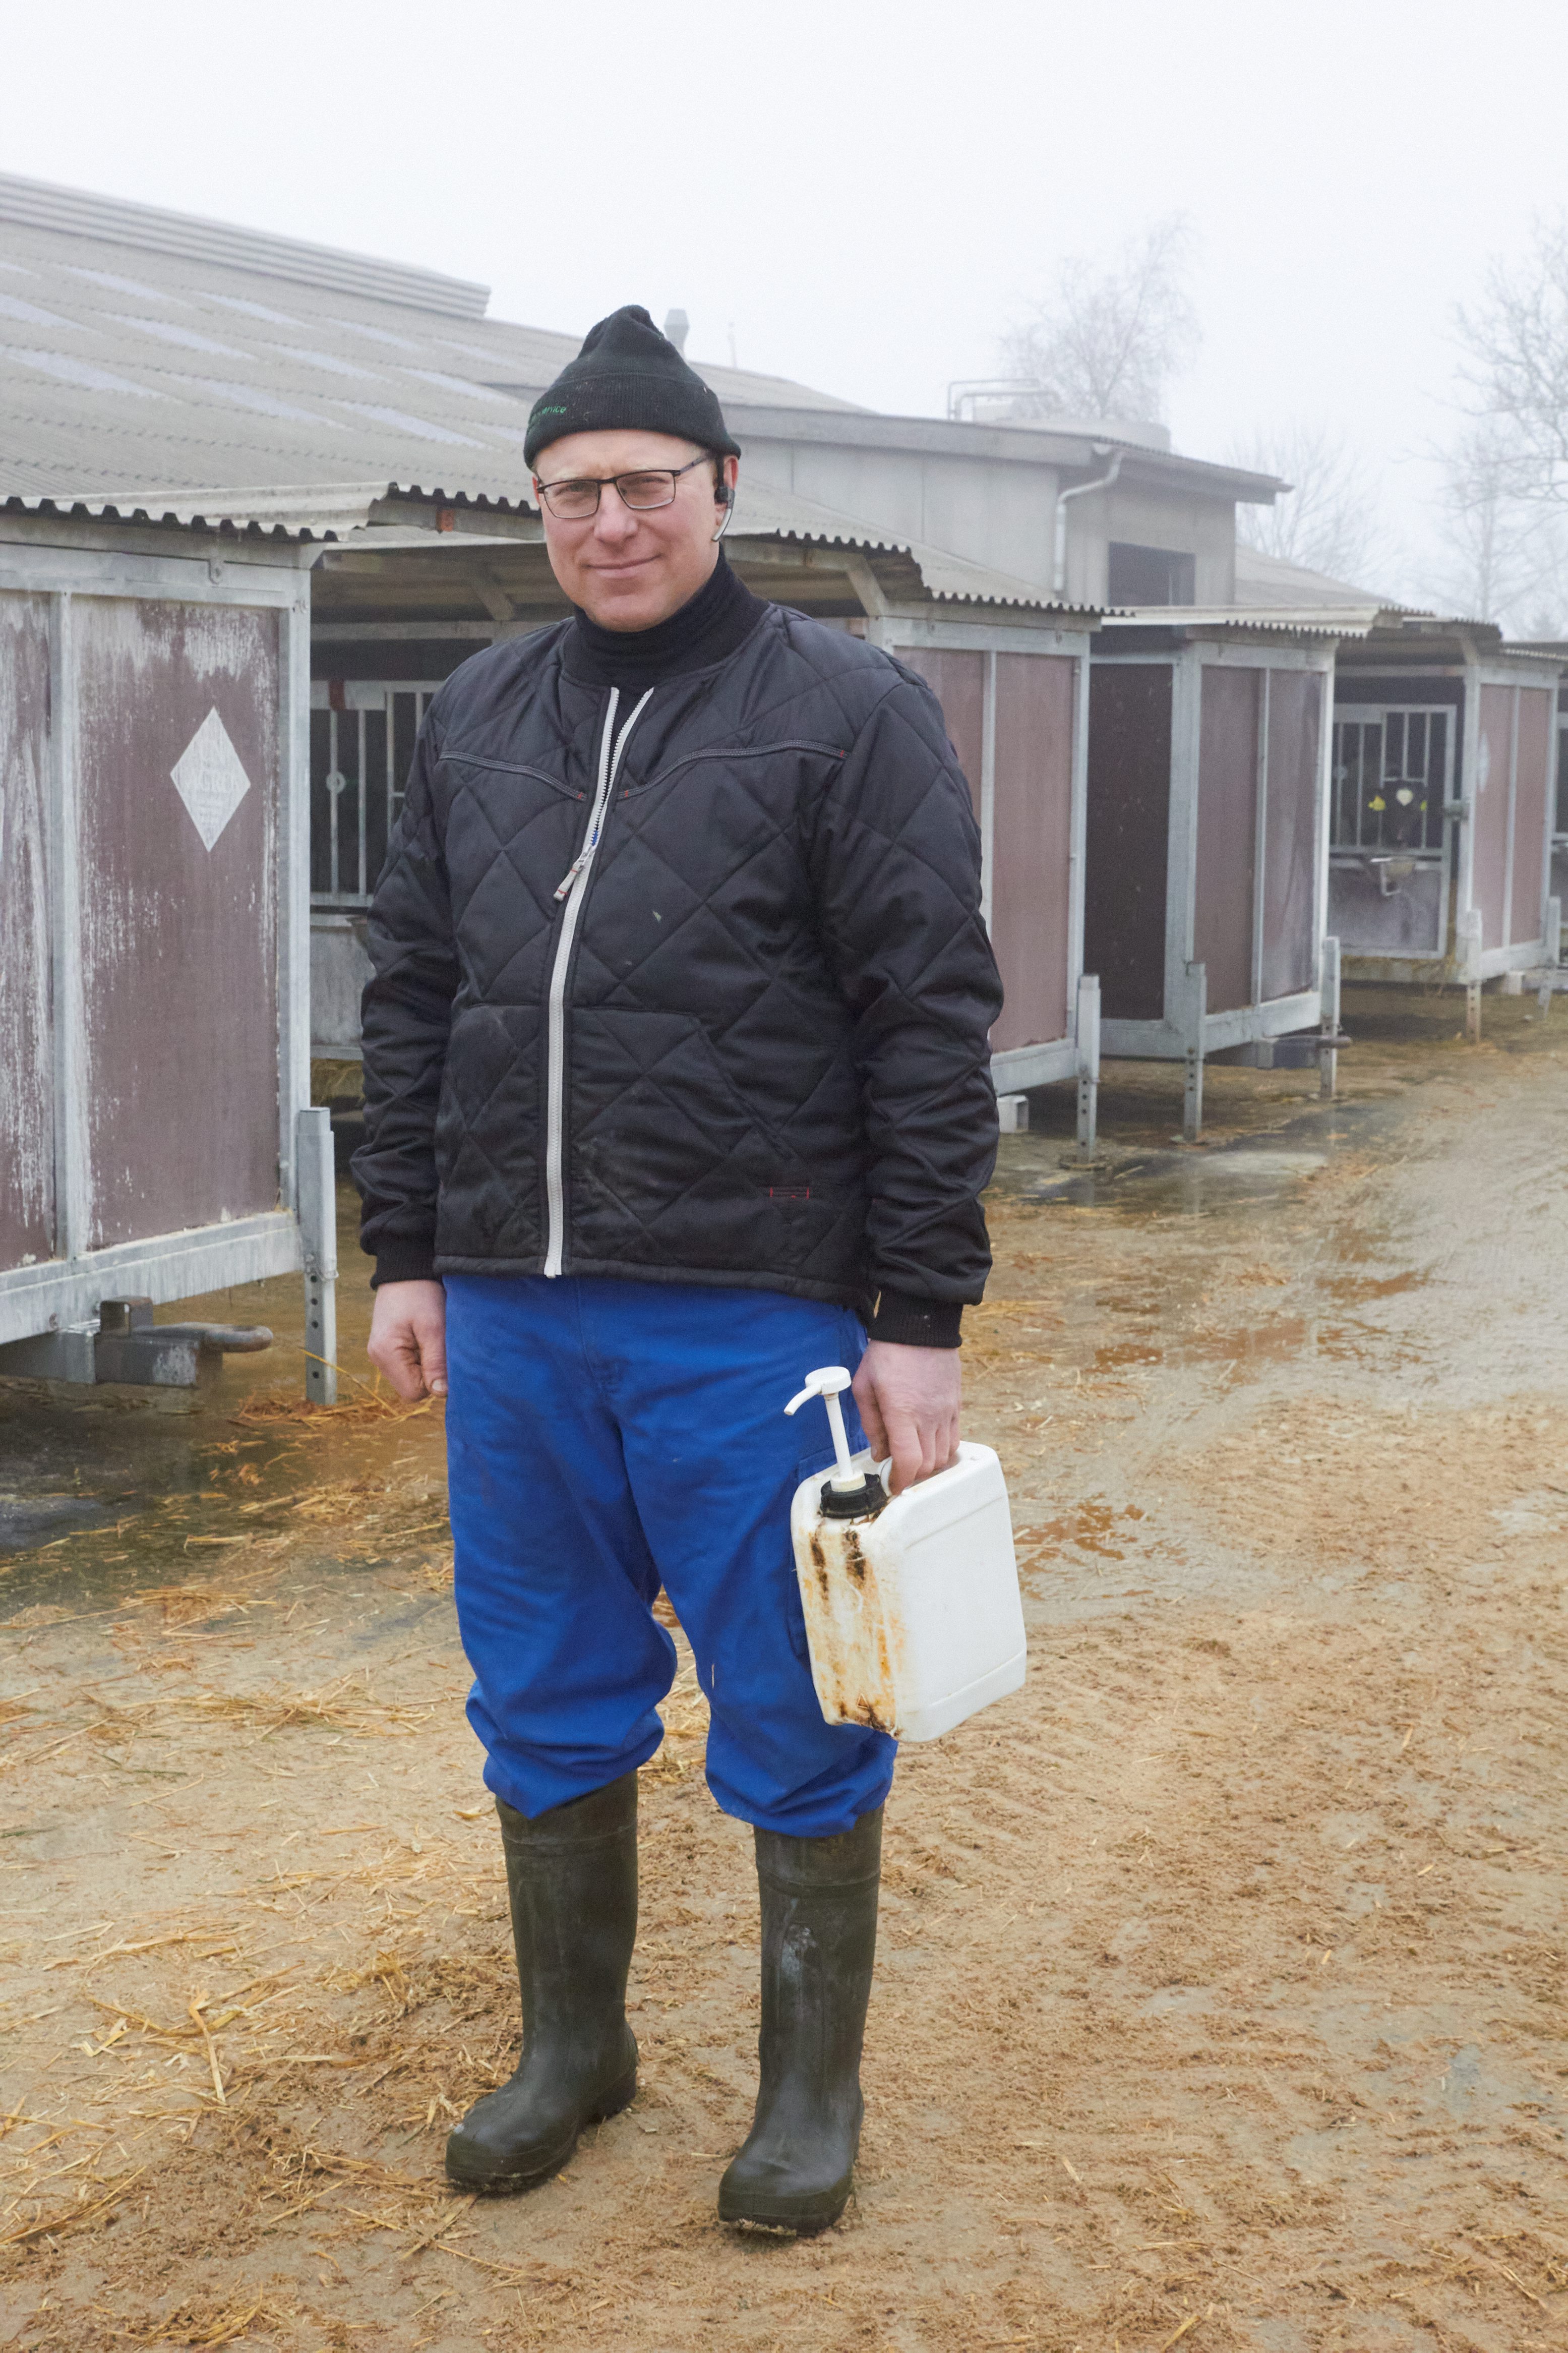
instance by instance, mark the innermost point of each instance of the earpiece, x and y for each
(724, 496)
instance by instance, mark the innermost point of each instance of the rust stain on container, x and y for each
(179, 912)
(854, 1648)
(26, 1091)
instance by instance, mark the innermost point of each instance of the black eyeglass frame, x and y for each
(633, 474)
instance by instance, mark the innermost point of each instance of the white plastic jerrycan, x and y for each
(912, 1612)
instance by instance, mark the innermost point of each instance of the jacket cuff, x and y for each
(915, 1322)
(405, 1259)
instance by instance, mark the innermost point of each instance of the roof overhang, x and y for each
(1013, 445)
(1247, 620)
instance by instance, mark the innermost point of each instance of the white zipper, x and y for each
(574, 883)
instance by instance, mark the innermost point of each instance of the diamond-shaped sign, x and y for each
(210, 778)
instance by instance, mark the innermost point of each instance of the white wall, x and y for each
(999, 513)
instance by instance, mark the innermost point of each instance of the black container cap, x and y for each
(862, 1503)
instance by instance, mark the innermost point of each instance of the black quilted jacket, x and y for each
(688, 985)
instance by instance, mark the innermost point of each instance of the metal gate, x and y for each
(362, 732)
(1390, 818)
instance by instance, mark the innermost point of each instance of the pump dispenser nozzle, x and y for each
(849, 1494)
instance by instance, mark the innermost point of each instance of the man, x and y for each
(676, 1085)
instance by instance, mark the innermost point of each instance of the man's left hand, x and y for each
(909, 1400)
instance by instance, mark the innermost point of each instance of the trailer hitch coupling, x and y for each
(128, 1346)
(125, 1344)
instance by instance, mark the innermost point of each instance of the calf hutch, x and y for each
(395, 611)
(1205, 885)
(1015, 701)
(155, 1139)
(1444, 806)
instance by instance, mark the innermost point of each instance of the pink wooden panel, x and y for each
(26, 1093)
(958, 682)
(1031, 847)
(1487, 791)
(1227, 834)
(178, 912)
(1532, 776)
(1290, 833)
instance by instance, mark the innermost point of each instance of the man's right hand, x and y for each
(409, 1338)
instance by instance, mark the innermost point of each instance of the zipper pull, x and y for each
(564, 885)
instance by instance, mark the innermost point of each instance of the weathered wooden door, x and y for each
(154, 924)
(177, 750)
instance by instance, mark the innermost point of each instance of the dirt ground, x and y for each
(1220, 1991)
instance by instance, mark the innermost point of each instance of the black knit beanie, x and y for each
(628, 377)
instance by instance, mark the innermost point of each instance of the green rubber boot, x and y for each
(819, 1941)
(572, 1879)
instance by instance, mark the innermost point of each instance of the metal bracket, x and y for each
(1389, 873)
(128, 1347)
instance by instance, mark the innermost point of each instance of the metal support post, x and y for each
(318, 1210)
(1553, 951)
(1088, 1064)
(1328, 1058)
(1194, 1013)
(1469, 936)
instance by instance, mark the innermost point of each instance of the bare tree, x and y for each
(1329, 520)
(1107, 342)
(1502, 554)
(1516, 361)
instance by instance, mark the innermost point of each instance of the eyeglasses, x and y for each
(576, 500)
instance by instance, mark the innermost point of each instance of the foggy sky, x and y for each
(864, 193)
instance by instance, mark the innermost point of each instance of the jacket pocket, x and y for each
(665, 1152)
(488, 1137)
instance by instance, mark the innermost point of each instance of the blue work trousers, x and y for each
(603, 1438)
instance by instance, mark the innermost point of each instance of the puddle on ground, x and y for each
(1091, 1526)
(27, 1521)
(1187, 1179)
(1356, 1290)
(1127, 1352)
(1257, 1344)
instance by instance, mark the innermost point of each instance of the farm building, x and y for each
(1442, 808)
(155, 1132)
(192, 385)
(161, 366)
(1207, 880)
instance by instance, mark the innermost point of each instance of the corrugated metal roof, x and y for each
(1276, 596)
(41, 204)
(1305, 621)
(138, 376)
(1269, 581)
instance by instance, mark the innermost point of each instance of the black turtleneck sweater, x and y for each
(708, 629)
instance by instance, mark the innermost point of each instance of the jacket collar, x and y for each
(706, 630)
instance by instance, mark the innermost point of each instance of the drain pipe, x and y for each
(1080, 490)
